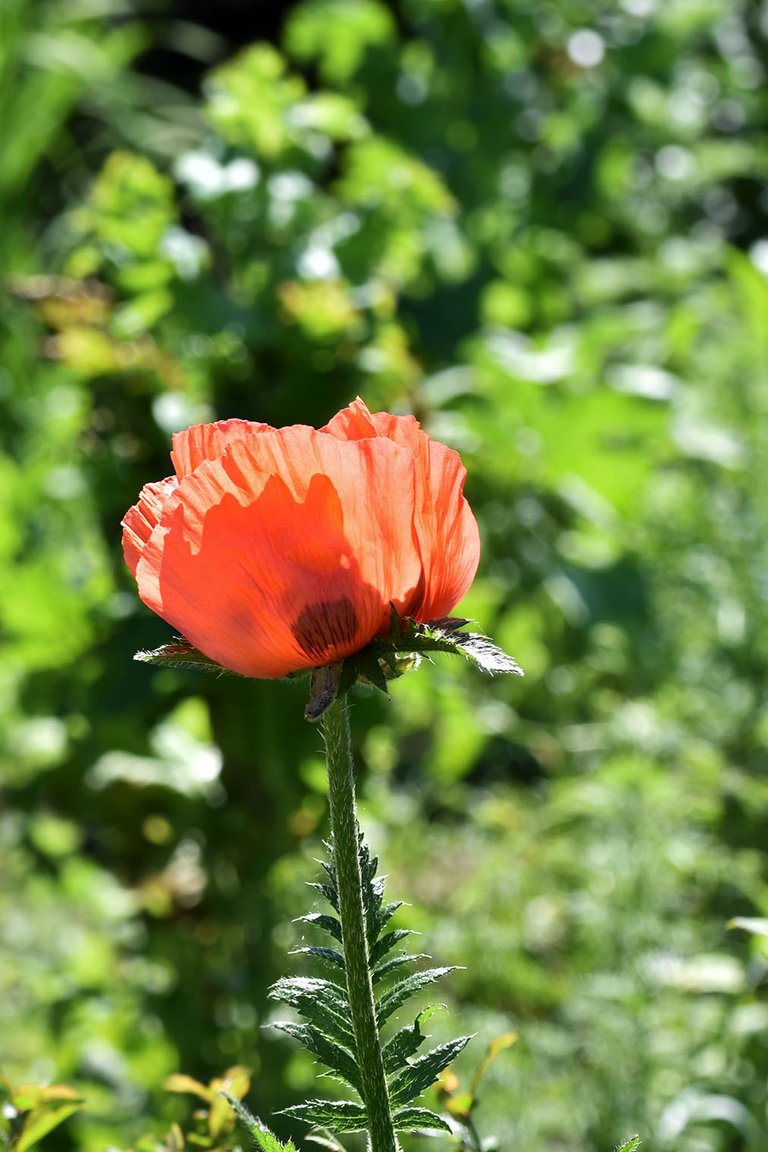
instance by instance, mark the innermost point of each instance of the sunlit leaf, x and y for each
(338, 1115)
(391, 1000)
(180, 654)
(261, 1137)
(418, 1119)
(336, 1057)
(423, 1072)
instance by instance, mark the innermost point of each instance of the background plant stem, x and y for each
(341, 794)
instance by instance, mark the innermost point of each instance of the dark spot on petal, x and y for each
(324, 629)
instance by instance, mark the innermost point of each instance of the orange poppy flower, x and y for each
(274, 550)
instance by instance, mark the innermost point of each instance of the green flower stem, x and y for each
(341, 794)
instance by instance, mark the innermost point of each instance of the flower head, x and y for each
(273, 550)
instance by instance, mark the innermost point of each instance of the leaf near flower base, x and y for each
(485, 655)
(445, 635)
(181, 654)
(630, 1145)
(384, 659)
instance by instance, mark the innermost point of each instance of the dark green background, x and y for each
(542, 228)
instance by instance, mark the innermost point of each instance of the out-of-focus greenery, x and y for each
(542, 228)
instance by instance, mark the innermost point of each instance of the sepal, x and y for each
(324, 687)
(399, 651)
(385, 658)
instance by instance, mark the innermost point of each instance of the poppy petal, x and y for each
(448, 535)
(376, 484)
(447, 531)
(268, 572)
(141, 520)
(207, 441)
(355, 422)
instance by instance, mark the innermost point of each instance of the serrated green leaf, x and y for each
(180, 654)
(328, 892)
(321, 1002)
(260, 1135)
(329, 924)
(384, 970)
(387, 912)
(337, 1115)
(371, 922)
(384, 915)
(382, 946)
(445, 636)
(418, 1119)
(398, 994)
(377, 892)
(339, 1059)
(486, 655)
(329, 955)
(403, 1044)
(293, 988)
(368, 867)
(630, 1145)
(417, 1077)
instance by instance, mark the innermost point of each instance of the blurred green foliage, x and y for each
(542, 228)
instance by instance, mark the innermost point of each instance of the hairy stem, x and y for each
(341, 793)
